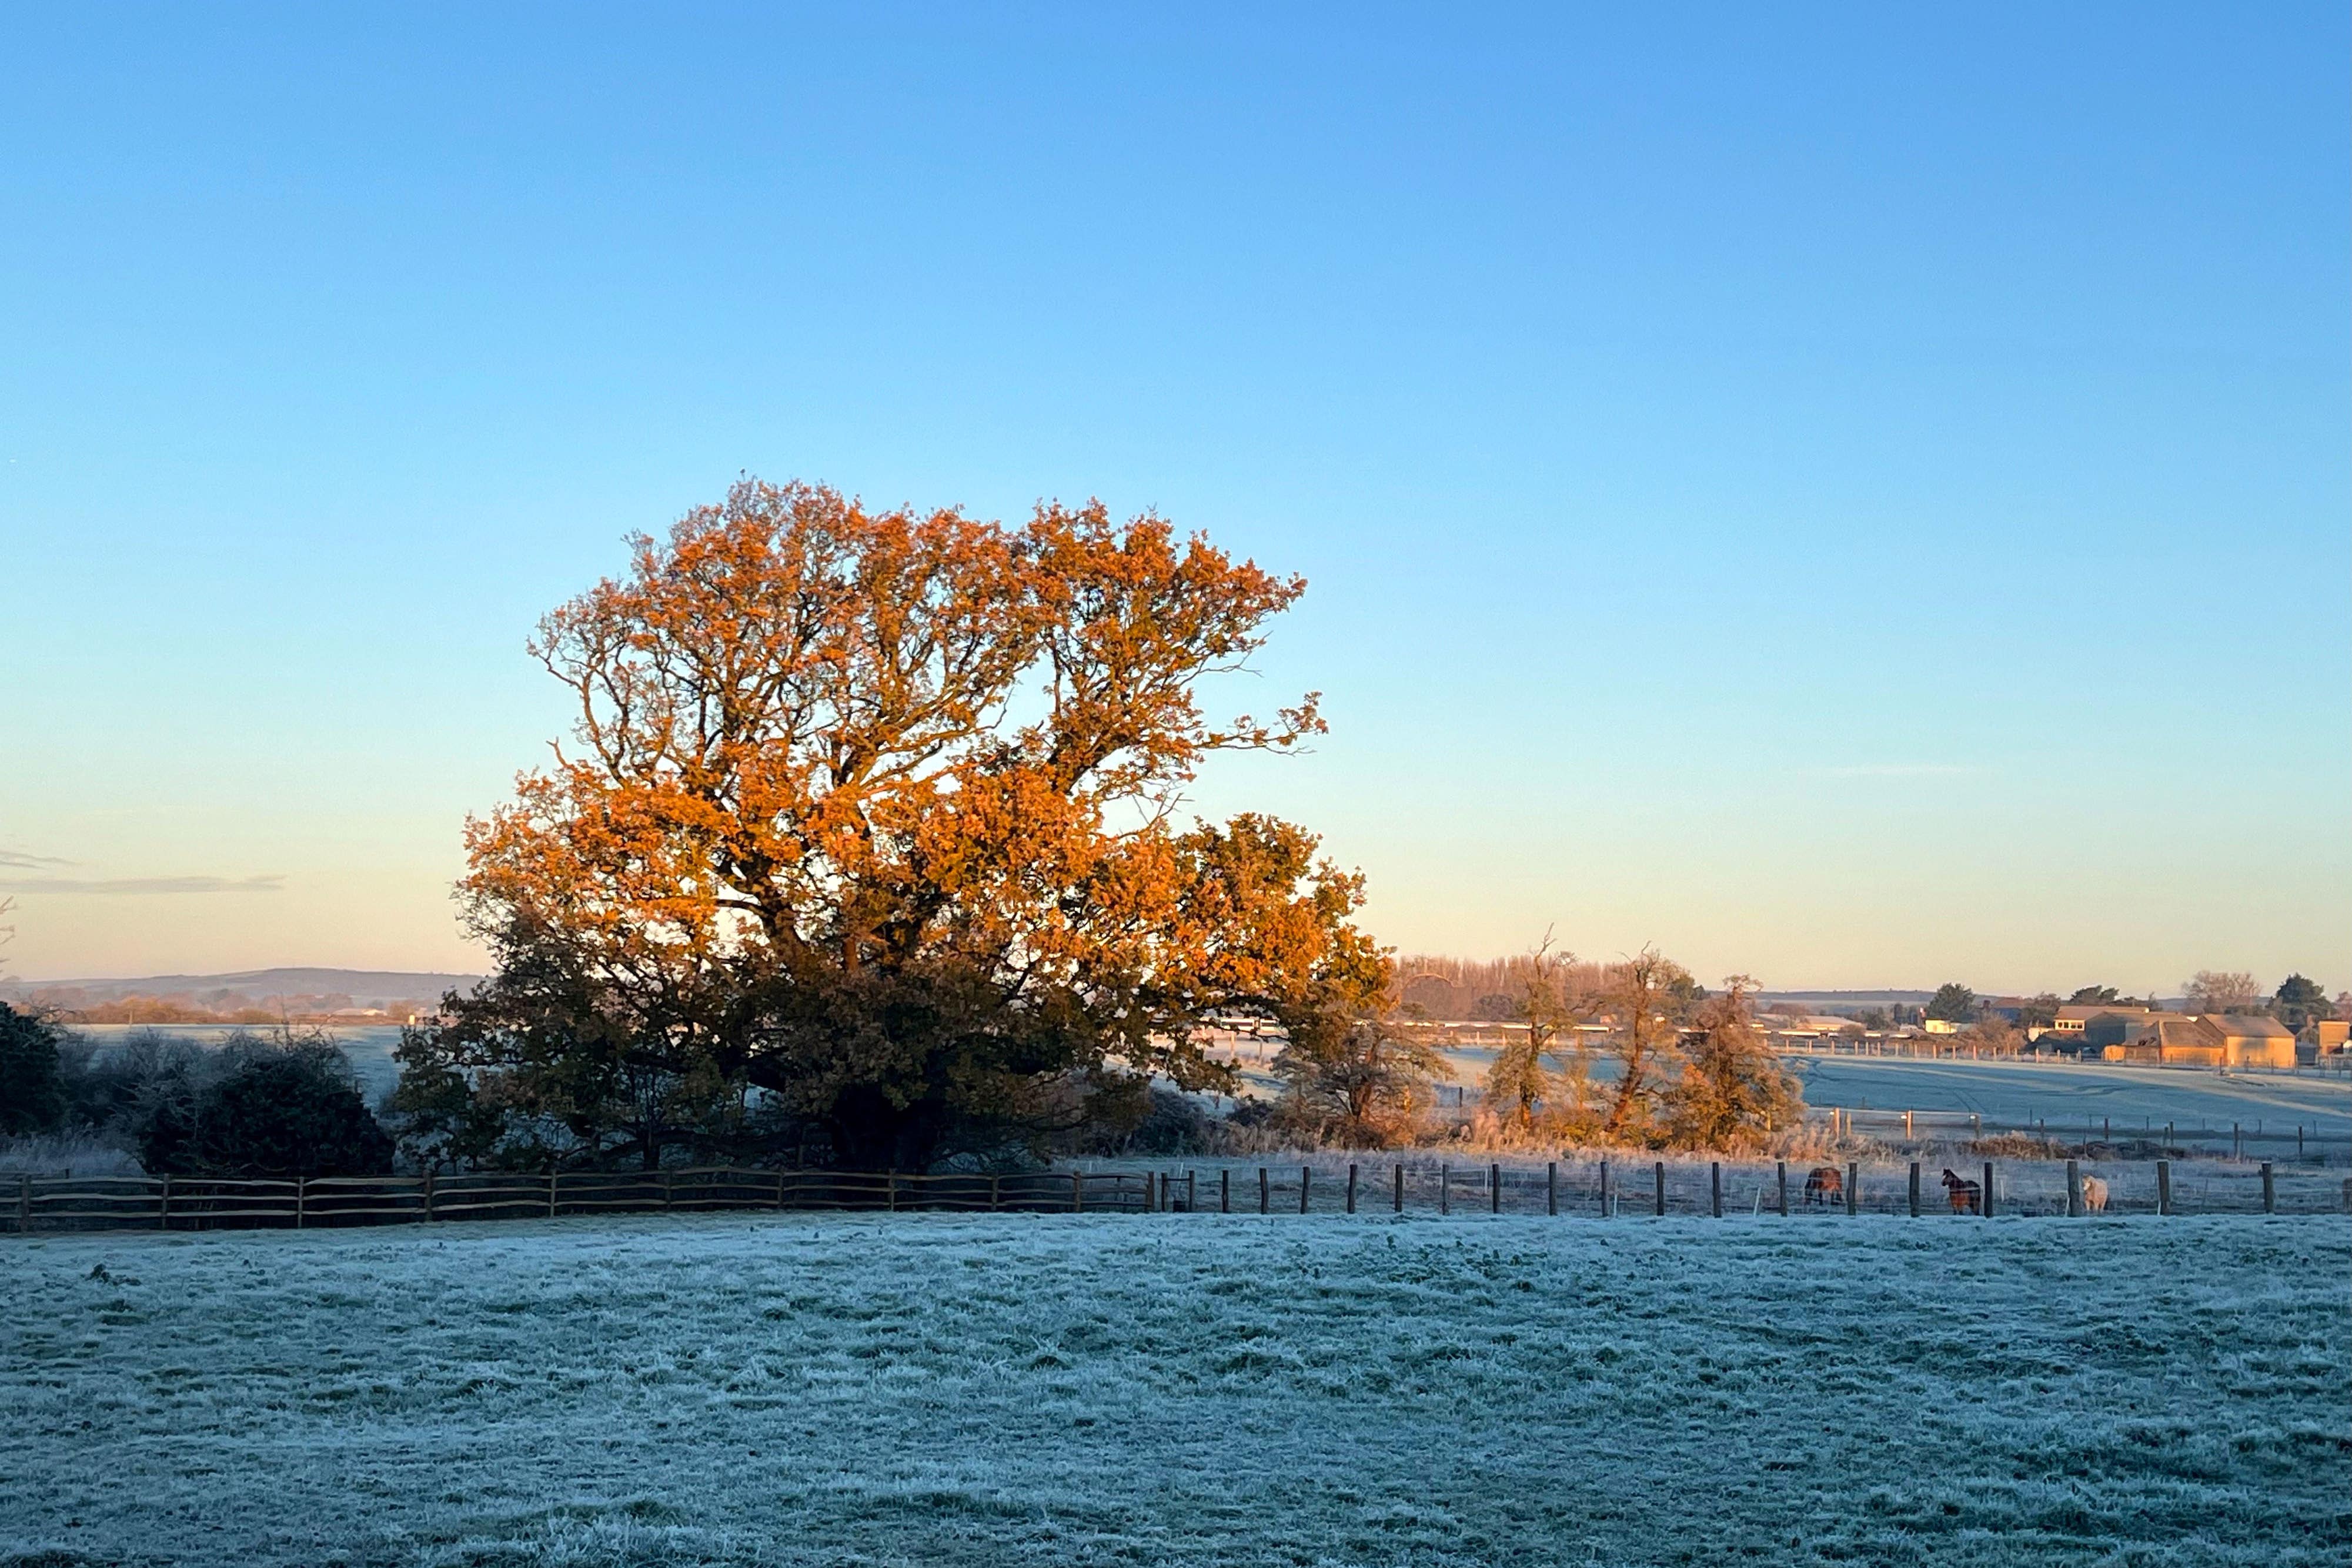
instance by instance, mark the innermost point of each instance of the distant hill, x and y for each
(258, 988)
(1850, 999)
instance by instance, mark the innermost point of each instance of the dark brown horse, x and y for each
(1824, 1184)
(1967, 1196)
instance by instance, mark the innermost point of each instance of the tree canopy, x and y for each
(32, 1091)
(1733, 1092)
(2223, 992)
(873, 820)
(2040, 1011)
(2299, 1001)
(1953, 1003)
(1519, 1078)
(1355, 1076)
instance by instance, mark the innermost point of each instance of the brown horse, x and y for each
(1823, 1183)
(1967, 1196)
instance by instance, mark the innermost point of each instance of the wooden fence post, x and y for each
(1715, 1187)
(1660, 1174)
(2270, 1190)
(667, 1196)
(2073, 1190)
(163, 1212)
(1854, 1187)
(1780, 1174)
(1163, 1190)
(1305, 1171)
(995, 1192)
(1265, 1192)
(302, 1190)
(891, 1189)
(1551, 1187)
(1191, 1192)
(2164, 1187)
(551, 1193)
(1444, 1189)
(25, 1201)
(1225, 1190)
(1352, 1188)
(1495, 1188)
(428, 1194)
(780, 1192)
(1985, 1205)
(1400, 1186)
(1078, 1192)
(1915, 1189)
(1604, 1190)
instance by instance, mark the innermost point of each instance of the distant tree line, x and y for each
(1687, 1069)
(2296, 1002)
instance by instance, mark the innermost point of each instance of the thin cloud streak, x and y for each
(147, 884)
(11, 860)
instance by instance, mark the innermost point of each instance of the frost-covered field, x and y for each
(1181, 1390)
(2070, 1094)
(2065, 1093)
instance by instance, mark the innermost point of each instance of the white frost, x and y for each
(1180, 1389)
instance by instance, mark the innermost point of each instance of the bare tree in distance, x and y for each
(2222, 991)
(1352, 1072)
(1446, 987)
(1648, 995)
(1733, 1092)
(1519, 1080)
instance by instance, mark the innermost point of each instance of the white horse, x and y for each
(2094, 1196)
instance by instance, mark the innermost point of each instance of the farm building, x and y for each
(2076, 1018)
(2183, 1040)
(2327, 1037)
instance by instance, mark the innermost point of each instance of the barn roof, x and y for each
(2250, 1026)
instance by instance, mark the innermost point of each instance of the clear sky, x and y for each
(1859, 496)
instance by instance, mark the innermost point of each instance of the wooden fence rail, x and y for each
(69, 1203)
(1649, 1188)
(2310, 1137)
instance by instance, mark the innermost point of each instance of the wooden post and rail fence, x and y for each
(2311, 1142)
(62, 1203)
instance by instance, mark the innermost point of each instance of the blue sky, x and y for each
(1857, 495)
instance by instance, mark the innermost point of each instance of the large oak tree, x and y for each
(875, 819)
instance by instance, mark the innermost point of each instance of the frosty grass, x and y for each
(1182, 1389)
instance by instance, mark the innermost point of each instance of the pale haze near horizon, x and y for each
(1853, 496)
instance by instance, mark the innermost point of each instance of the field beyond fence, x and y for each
(1604, 1188)
(2134, 1132)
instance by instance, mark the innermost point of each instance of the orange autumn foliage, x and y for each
(880, 812)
